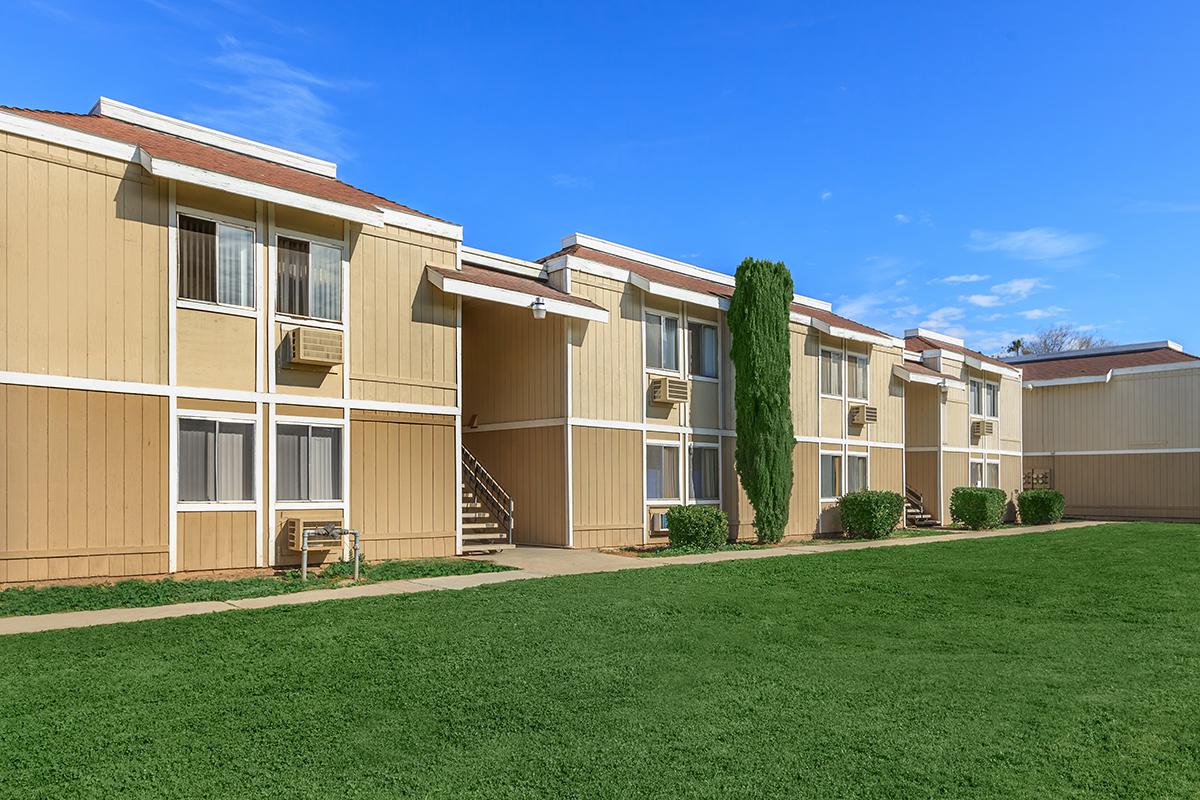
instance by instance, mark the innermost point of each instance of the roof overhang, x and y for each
(1116, 372)
(511, 297)
(676, 293)
(920, 377)
(994, 369)
(499, 261)
(844, 333)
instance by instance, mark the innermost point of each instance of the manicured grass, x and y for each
(669, 550)
(1049, 665)
(139, 593)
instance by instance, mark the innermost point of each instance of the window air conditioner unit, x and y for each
(668, 391)
(982, 427)
(658, 522)
(313, 347)
(323, 541)
(863, 415)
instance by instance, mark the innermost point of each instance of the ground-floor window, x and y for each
(662, 472)
(856, 473)
(831, 476)
(309, 459)
(216, 461)
(705, 473)
(985, 474)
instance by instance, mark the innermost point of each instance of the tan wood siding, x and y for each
(514, 366)
(530, 463)
(737, 505)
(833, 418)
(402, 328)
(83, 264)
(215, 350)
(1011, 423)
(805, 364)
(703, 406)
(606, 359)
(887, 395)
(607, 486)
(955, 473)
(887, 469)
(921, 473)
(956, 426)
(1135, 486)
(804, 508)
(922, 411)
(83, 484)
(402, 485)
(214, 540)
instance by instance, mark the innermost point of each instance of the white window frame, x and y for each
(866, 381)
(311, 422)
(984, 464)
(681, 471)
(987, 465)
(986, 411)
(838, 454)
(233, 417)
(836, 355)
(717, 343)
(716, 501)
(846, 472)
(972, 409)
(297, 319)
(662, 315)
(217, 305)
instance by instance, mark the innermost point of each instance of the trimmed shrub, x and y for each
(704, 527)
(758, 323)
(976, 507)
(1040, 506)
(872, 514)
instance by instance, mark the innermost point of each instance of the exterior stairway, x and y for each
(915, 515)
(487, 510)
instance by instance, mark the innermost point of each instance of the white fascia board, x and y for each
(1165, 344)
(917, 377)
(676, 293)
(67, 137)
(925, 333)
(107, 107)
(517, 266)
(415, 222)
(984, 366)
(846, 333)
(1118, 372)
(1068, 381)
(511, 297)
(227, 183)
(632, 253)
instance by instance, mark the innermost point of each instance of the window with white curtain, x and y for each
(993, 400)
(308, 463)
(702, 349)
(310, 279)
(992, 472)
(856, 473)
(662, 472)
(856, 376)
(976, 398)
(216, 461)
(831, 476)
(662, 342)
(977, 473)
(831, 372)
(706, 473)
(216, 262)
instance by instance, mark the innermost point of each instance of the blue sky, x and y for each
(988, 171)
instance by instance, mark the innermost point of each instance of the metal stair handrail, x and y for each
(488, 491)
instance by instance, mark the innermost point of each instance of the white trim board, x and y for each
(1133, 451)
(499, 261)
(511, 297)
(1116, 372)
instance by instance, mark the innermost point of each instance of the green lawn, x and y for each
(139, 593)
(1045, 666)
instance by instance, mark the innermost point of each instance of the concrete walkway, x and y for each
(528, 562)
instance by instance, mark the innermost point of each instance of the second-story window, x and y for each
(993, 400)
(662, 342)
(976, 398)
(856, 376)
(831, 372)
(216, 262)
(702, 353)
(310, 279)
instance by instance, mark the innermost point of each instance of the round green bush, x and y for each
(976, 507)
(703, 527)
(872, 514)
(1041, 506)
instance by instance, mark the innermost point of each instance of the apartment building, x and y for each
(206, 339)
(1115, 429)
(963, 423)
(599, 422)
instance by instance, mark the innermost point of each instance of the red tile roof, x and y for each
(204, 156)
(507, 280)
(701, 285)
(920, 344)
(1079, 366)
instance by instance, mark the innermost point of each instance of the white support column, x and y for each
(569, 431)
(456, 459)
(172, 380)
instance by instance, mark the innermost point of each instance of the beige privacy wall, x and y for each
(83, 484)
(83, 265)
(402, 329)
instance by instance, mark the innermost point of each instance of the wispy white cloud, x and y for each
(983, 300)
(902, 218)
(1033, 244)
(1020, 288)
(1041, 313)
(826, 196)
(968, 278)
(270, 99)
(944, 319)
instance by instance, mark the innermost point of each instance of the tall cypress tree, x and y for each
(758, 322)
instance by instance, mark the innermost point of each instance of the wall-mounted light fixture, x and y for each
(539, 308)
